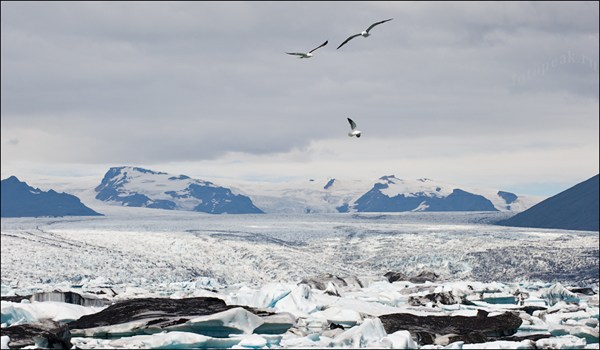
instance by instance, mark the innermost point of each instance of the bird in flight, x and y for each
(354, 131)
(364, 33)
(309, 53)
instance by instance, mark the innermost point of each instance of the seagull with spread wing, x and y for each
(364, 33)
(354, 131)
(309, 53)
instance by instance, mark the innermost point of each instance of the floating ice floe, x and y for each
(33, 312)
(298, 316)
(558, 293)
(367, 334)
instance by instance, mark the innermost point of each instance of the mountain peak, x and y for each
(14, 182)
(11, 178)
(139, 187)
(389, 179)
(21, 200)
(124, 169)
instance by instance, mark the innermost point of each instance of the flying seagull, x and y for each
(364, 33)
(354, 132)
(309, 53)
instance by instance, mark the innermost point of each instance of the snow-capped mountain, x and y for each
(21, 200)
(391, 194)
(575, 208)
(386, 194)
(138, 187)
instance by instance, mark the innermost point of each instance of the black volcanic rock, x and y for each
(395, 276)
(47, 334)
(468, 329)
(576, 208)
(22, 200)
(148, 308)
(583, 290)
(155, 314)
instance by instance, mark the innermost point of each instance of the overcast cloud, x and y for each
(489, 94)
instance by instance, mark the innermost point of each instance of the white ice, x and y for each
(258, 261)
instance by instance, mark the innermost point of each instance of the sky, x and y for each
(490, 94)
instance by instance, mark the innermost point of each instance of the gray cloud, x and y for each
(189, 81)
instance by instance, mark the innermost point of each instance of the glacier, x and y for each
(320, 278)
(385, 194)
